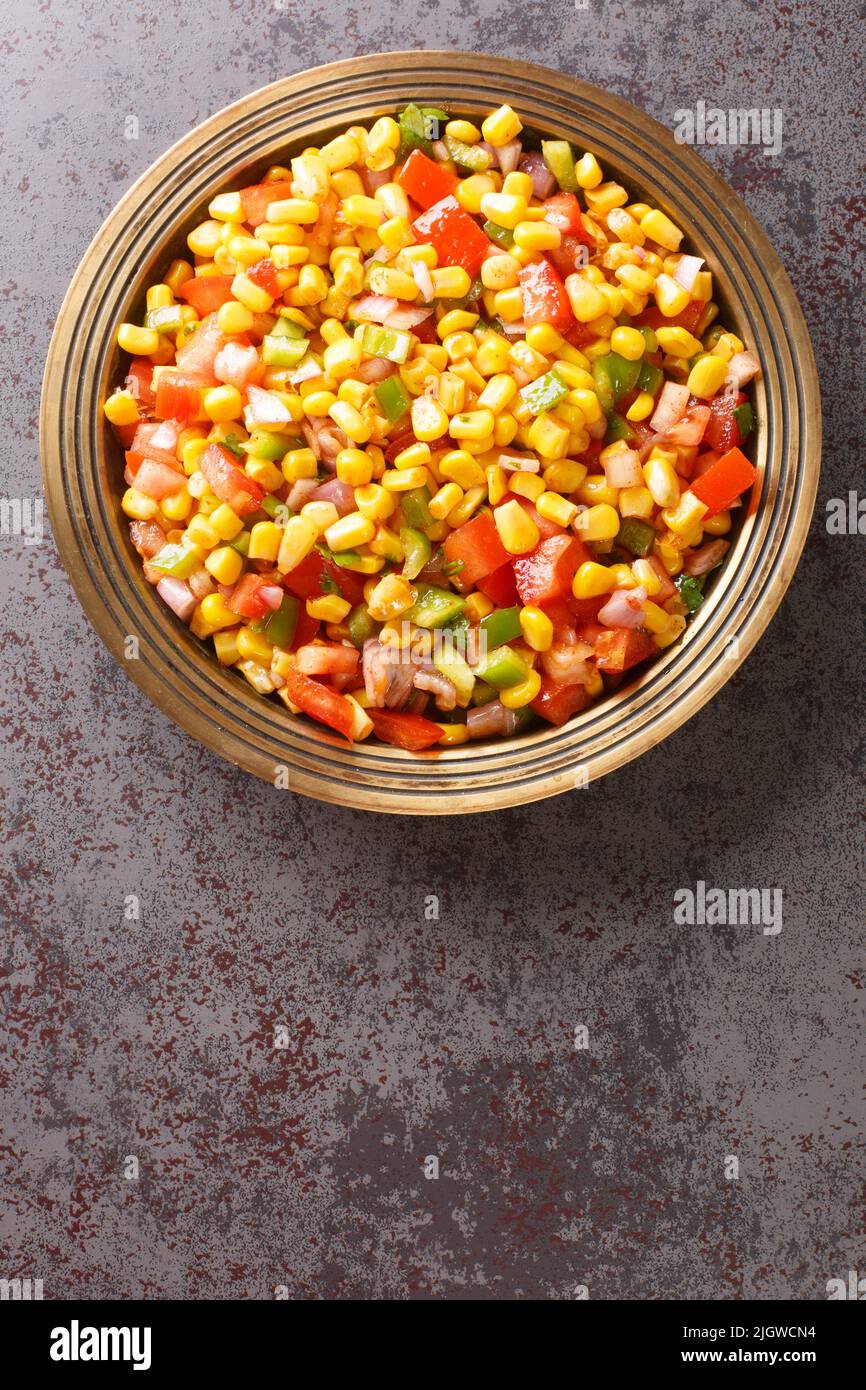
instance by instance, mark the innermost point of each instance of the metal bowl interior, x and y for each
(82, 465)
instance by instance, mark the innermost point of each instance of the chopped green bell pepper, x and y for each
(167, 319)
(649, 378)
(745, 418)
(262, 444)
(503, 236)
(241, 543)
(392, 343)
(417, 129)
(434, 607)
(649, 337)
(502, 667)
(448, 660)
(483, 693)
(279, 628)
(636, 536)
(393, 398)
(415, 506)
(416, 551)
(177, 560)
(614, 376)
(472, 157)
(559, 158)
(618, 428)
(544, 393)
(283, 352)
(287, 328)
(502, 625)
(360, 625)
(691, 590)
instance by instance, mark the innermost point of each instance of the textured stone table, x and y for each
(266, 918)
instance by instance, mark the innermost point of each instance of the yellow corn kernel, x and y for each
(227, 207)
(350, 532)
(393, 200)
(707, 376)
(501, 126)
(670, 553)
(592, 580)
(655, 618)
(223, 403)
(587, 171)
(478, 605)
(505, 209)
(404, 479)
(350, 421)
(471, 190)
(178, 507)
(340, 153)
(657, 227)
(517, 696)
(216, 613)
(670, 296)
(629, 343)
(204, 239)
(687, 513)
(136, 505)
(299, 537)
(361, 211)
(585, 300)
(646, 574)
(564, 475)
(498, 393)
(445, 500)
(537, 236)
(254, 646)
(330, 608)
(389, 598)
(429, 420)
(472, 424)
(718, 525)
(519, 183)
(233, 317)
(141, 342)
(317, 403)
(554, 507)
(472, 498)
(226, 524)
(517, 531)
(265, 473)
(543, 337)
(641, 407)
(661, 477)
(200, 532)
(536, 627)
(605, 197)
(635, 279)
(121, 408)
(548, 437)
(679, 342)
(225, 564)
(265, 540)
(395, 234)
(676, 626)
(384, 135)
(624, 228)
(598, 523)
(354, 467)
(636, 501)
(452, 734)
(374, 501)
(387, 544)
(464, 131)
(177, 274)
(250, 294)
(528, 485)
(508, 304)
(497, 483)
(226, 647)
(312, 286)
(299, 463)
(451, 282)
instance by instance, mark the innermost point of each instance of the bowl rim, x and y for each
(465, 778)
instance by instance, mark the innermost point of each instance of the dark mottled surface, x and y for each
(302, 1165)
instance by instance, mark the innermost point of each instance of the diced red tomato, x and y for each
(264, 274)
(147, 442)
(478, 546)
(619, 648)
(547, 572)
(177, 397)
(157, 480)
(723, 483)
(425, 331)
(586, 610)
(568, 256)
(544, 296)
(457, 239)
(321, 232)
(246, 598)
(403, 730)
(424, 180)
(563, 212)
(197, 355)
(722, 432)
(653, 317)
(580, 333)
(139, 382)
(229, 482)
(206, 293)
(320, 702)
(399, 443)
(306, 579)
(557, 703)
(500, 586)
(306, 630)
(327, 659)
(255, 199)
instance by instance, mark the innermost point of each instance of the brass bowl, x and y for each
(82, 464)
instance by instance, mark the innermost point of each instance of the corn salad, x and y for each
(435, 432)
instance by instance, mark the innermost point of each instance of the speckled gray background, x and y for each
(303, 1166)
